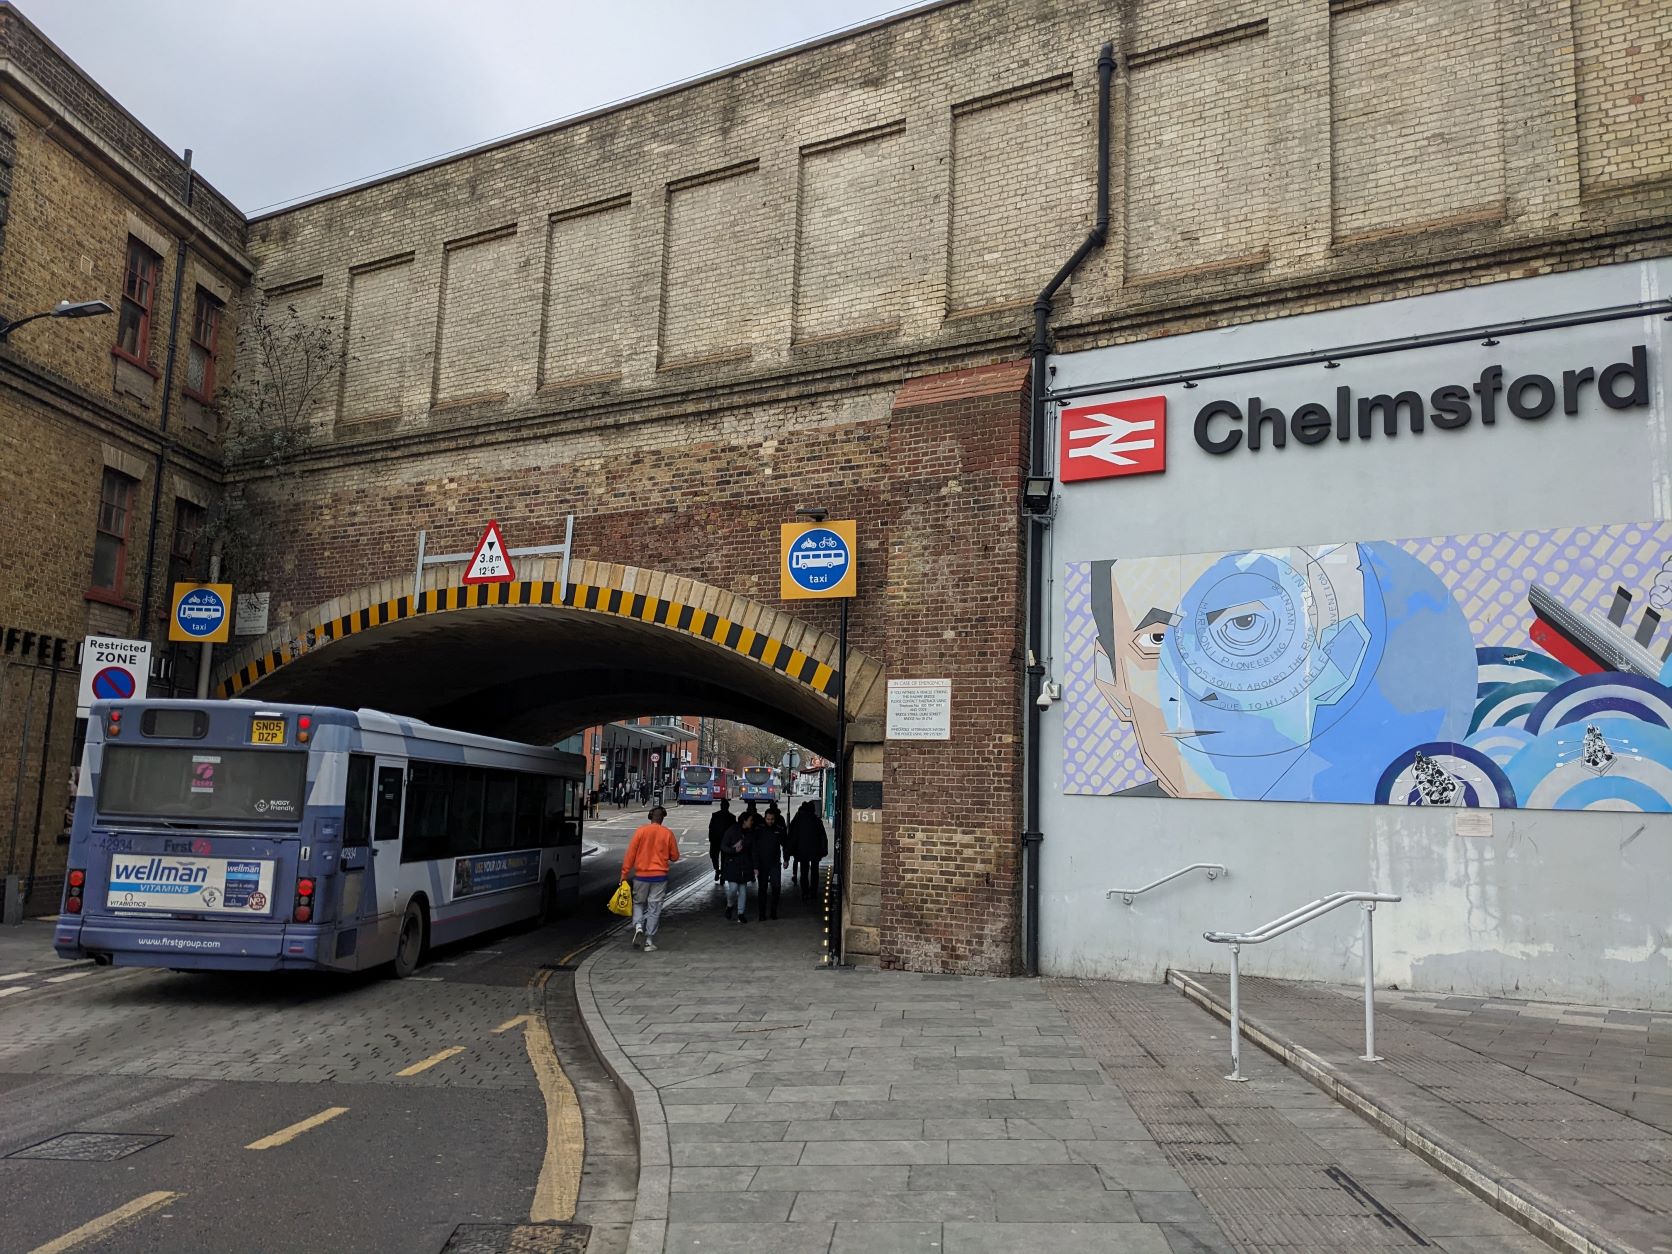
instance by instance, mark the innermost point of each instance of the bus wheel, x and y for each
(410, 947)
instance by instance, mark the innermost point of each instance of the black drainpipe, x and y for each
(1041, 347)
(145, 626)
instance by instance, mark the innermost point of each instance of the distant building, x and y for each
(109, 448)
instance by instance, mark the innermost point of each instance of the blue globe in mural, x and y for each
(1299, 674)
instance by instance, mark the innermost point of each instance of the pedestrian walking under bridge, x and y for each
(534, 661)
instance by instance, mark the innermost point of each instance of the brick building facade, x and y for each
(809, 279)
(109, 455)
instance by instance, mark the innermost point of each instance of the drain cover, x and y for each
(518, 1239)
(90, 1147)
(558, 966)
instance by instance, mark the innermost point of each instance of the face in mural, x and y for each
(1285, 674)
(1267, 647)
(1300, 673)
(1135, 606)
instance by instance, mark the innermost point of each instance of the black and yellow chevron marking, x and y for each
(688, 619)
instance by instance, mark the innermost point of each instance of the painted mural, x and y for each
(1524, 669)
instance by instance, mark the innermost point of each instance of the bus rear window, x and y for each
(141, 781)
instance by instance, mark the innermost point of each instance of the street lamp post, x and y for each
(64, 309)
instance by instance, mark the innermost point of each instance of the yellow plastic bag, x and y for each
(622, 902)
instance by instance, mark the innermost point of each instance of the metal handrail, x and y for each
(1214, 870)
(1286, 923)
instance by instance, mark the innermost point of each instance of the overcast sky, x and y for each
(279, 99)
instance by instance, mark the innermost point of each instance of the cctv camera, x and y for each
(1044, 701)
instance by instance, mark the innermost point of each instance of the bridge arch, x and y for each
(533, 660)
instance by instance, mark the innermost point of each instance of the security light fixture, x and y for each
(817, 513)
(64, 309)
(1036, 494)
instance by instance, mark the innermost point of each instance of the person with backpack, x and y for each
(718, 824)
(808, 838)
(737, 865)
(770, 842)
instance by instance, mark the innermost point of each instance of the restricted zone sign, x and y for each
(202, 612)
(112, 669)
(818, 560)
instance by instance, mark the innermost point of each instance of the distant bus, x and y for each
(242, 836)
(703, 785)
(758, 783)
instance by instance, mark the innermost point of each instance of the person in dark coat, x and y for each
(737, 865)
(808, 838)
(771, 839)
(718, 823)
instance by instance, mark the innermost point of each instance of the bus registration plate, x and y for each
(267, 731)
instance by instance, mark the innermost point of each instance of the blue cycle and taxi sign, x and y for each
(202, 612)
(818, 560)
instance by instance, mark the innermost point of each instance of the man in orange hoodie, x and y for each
(649, 853)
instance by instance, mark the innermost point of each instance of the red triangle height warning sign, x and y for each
(490, 563)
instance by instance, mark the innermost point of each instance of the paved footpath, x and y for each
(789, 1109)
(1510, 1094)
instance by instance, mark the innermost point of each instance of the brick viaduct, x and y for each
(807, 281)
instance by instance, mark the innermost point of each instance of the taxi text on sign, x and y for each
(202, 612)
(818, 561)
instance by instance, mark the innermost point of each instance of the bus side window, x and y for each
(388, 803)
(531, 804)
(465, 822)
(428, 794)
(357, 802)
(551, 826)
(499, 811)
(570, 831)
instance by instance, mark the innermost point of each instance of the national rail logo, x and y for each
(1126, 437)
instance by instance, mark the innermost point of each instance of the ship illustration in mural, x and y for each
(1482, 671)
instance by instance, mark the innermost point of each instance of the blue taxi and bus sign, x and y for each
(819, 560)
(202, 612)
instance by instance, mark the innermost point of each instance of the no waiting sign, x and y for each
(112, 669)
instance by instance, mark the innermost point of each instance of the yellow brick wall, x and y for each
(919, 182)
(853, 242)
(1200, 159)
(1021, 200)
(476, 326)
(588, 260)
(382, 330)
(1624, 54)
(1416, 115)
(714, 264)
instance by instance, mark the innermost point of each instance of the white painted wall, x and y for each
(1553, 904)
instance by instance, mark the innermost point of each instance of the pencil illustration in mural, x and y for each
(1489, 670)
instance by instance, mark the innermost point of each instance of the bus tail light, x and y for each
(304, 729)
(303, 911)
(72, 898)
